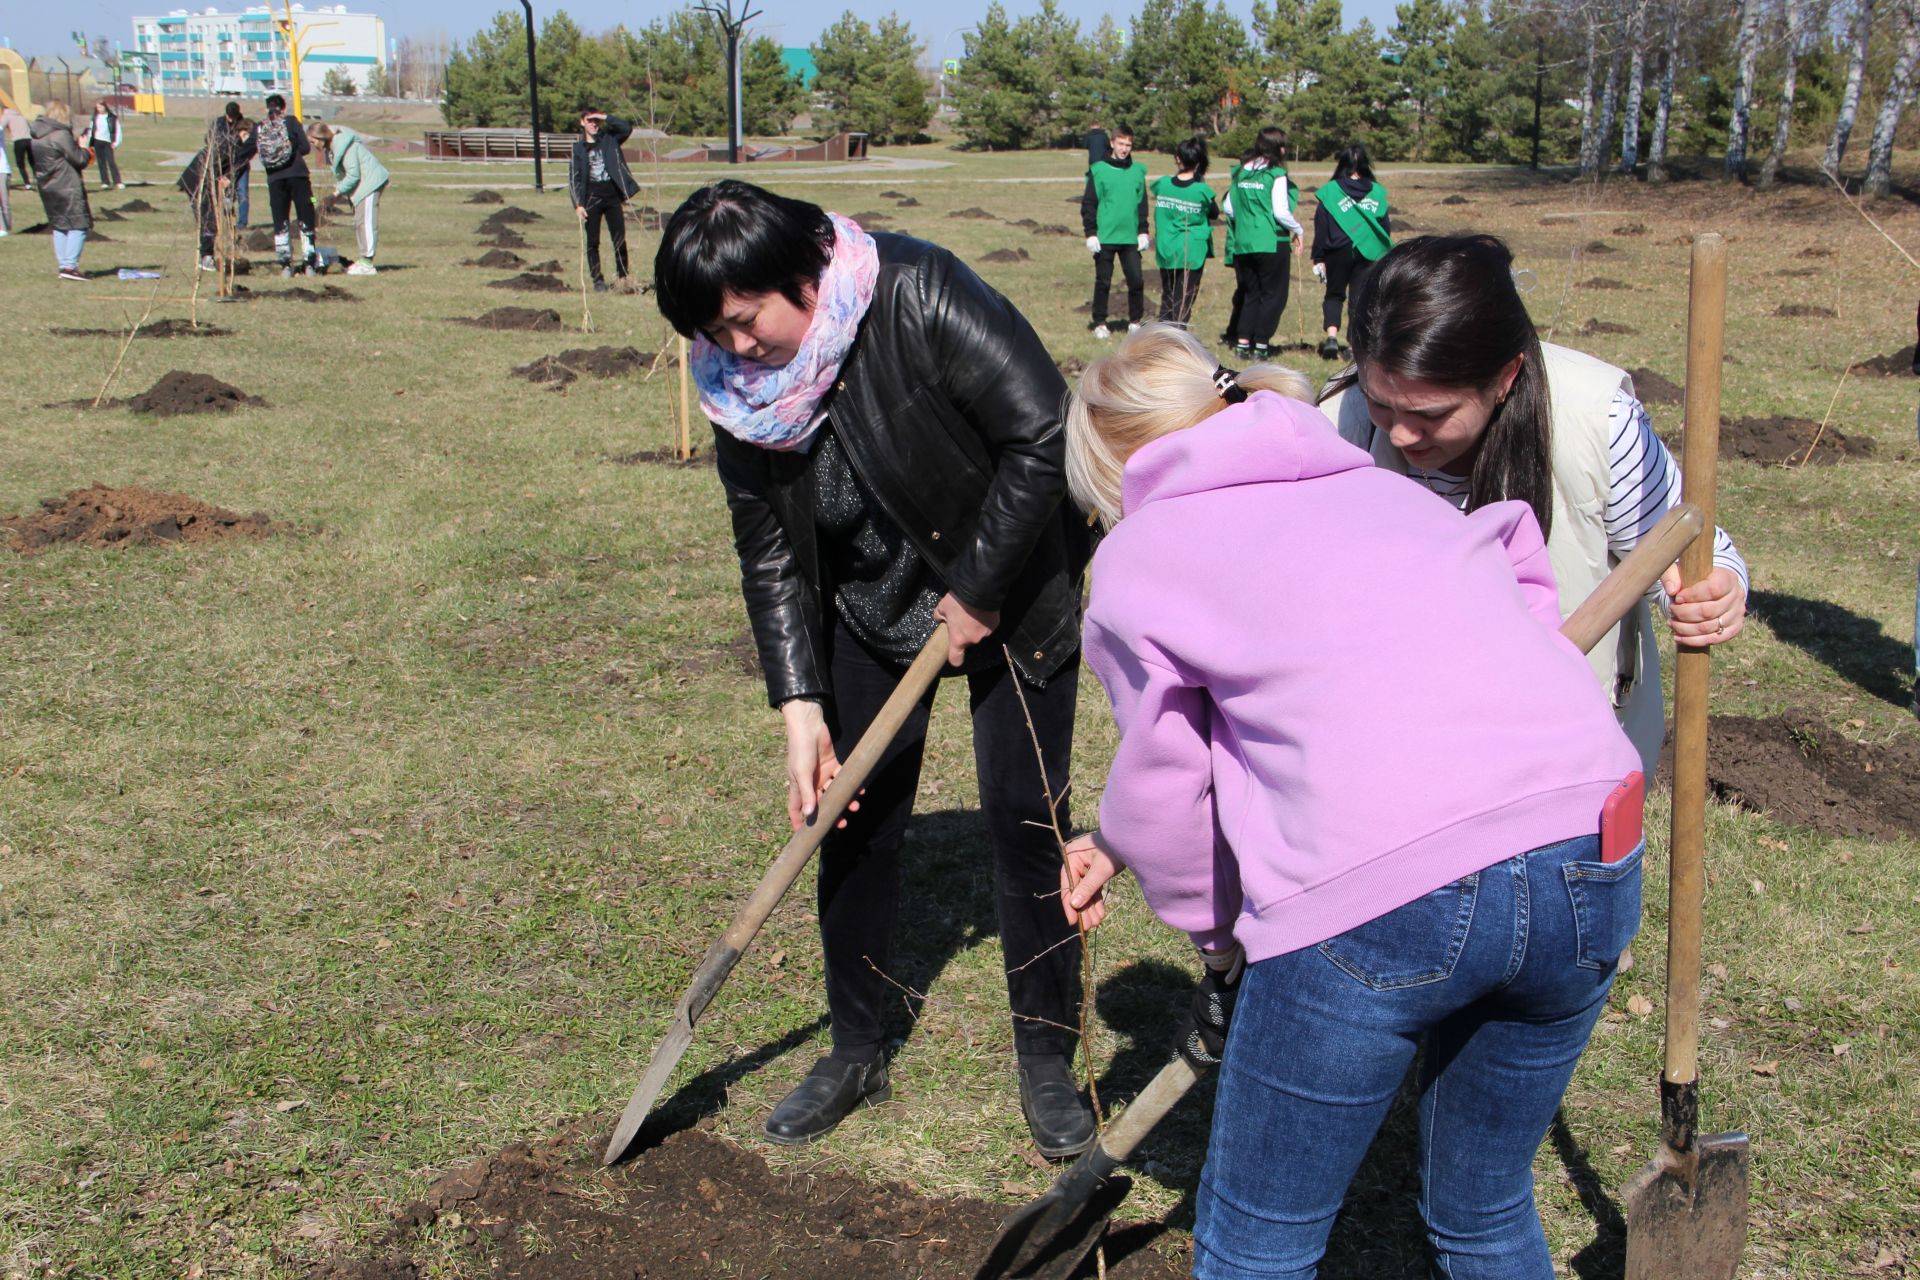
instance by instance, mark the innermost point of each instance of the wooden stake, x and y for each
(586, 315)
(685, 450)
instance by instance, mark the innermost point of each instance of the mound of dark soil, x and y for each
(528, 282)
(871, 217)
(136, 206)
(1456, 199)
(486, 197)
(168, 328)
(1558, 220)
(337, 207)
(1652, 388)
(1893, 364)
(531, 319)
(259, 240)
(646, 215)
(1796, 273)
(1603, 282)
(585, 362)
(179, 392)
(1053, 229)
(693, 1206)
(1024, 223)
(107, 215)
(1786, 440)
(1006, 255)
(974, 212)
(666, 458)
(1592, 327)
(512, 215)
(1598, 246)
(98, 516)
(551, 267)
(1790, 310)
(1794, 769)
(506, 239)
(1815, 251)
(907, 202)
(300, 293)
(1631, 229)
(895, 195)
(498, 260)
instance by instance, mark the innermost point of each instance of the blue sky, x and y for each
(42, 29)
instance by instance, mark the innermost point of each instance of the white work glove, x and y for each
(1320, 272)
(1093, 244)
(1144, 242)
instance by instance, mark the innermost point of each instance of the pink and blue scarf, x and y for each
(775, 406)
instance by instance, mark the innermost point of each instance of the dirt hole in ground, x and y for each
(586, 362)
(1456, 199)
(99, 516)
(300, 293)
(486, 197)
(498, 260)
(531, 319)
(1890, 365)
(1603, 282)
(528, 282)
(1790, 310)
(1652, 388)
(168, 328)
(691, 1206)
(974, 212)
(1006, 255)
(136, 206)
(1592, 327)
(507, 239)
(1794, 769)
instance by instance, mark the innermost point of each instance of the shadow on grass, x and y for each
(1853, 647)
(706, 1093)
(1606, 1257)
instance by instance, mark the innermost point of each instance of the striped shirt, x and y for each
(1645, 485)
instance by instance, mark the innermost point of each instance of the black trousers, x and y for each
(109, 168)
(859, 888)
(1103, 282)
(291, 197)
(23, 160)
(1346, 272)
(204, 210)
(611, 208)
(1264, 279)
(1178, 290)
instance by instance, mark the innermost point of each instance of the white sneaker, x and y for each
(1134, 327)
(119, 186)
(1101, 332)
(207, 263)
(3, 232)
(363, 269)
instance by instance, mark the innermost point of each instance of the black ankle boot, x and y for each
(1059, 1119)
(1330, 349)
(823, 1099)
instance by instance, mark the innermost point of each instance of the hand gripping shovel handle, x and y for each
(1046, 1238)
(779, 877)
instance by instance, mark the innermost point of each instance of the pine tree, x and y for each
(338, 83)
(1417, 48)
(870, 79)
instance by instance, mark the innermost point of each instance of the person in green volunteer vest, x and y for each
(1183, 214)
(1260, 222)
(1113, 213)
(1350, 233)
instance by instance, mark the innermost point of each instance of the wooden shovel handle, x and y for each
(1700, 455)
(1629, 580)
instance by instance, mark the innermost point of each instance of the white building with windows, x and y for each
(209, 51)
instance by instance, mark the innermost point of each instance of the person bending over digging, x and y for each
(601, 184)
(360, 177)
(1368, 828)
(1113, 213)
(1453, 388)
(888, 436)
(208, 180)
(281, 144)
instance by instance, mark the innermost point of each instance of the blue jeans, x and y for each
(66, 249)
(1495, 981)
(242, 188)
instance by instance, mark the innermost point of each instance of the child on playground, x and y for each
(1183, 214)
(360, 177)
(1113, 213)
(1370, 791)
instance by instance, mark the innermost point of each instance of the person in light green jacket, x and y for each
(360, 177)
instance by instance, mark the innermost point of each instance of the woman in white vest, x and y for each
(1452, 387)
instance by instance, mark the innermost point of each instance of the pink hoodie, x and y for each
(1334, 695)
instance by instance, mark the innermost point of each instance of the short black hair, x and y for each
(1191, 154)
(276, 103)
(734, 237)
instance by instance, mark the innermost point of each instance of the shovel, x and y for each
(728, 947)
(1049, 1237)
(1687, 1209)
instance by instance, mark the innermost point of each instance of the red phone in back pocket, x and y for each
(1623, 818)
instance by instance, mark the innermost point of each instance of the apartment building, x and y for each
(209, 51)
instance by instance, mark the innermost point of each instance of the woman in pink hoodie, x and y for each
(1358, 764)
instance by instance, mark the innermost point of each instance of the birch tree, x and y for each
(1771, 169)
(1858, 37)
(1746, 52)
(1636, 84)
(1663, 112)
(1588, 153)
(1609, 111)
(1899, 89)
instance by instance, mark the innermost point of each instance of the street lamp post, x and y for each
(533, 95)
(733, 27)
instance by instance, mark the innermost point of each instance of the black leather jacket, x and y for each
(952, 413)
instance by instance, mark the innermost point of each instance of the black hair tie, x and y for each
(1227, 383)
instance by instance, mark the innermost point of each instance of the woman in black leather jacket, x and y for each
(888, 431)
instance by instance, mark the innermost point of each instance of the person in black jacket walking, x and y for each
(280, 143)
(889, 435)
(601, 185)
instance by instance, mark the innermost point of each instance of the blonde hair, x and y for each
(1159, 381)
(58, 112)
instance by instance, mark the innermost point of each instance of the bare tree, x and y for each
(1796, 13)
(1858, 37)
(1636, 85)
(1899, 89)
(1657, 149)
(1746, 52)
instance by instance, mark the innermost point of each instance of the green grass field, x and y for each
(331, 860)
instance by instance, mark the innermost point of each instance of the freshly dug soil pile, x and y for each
(107, 215)
(1028, 223)
(585, 362)
(1652, 388)
(130, 517)
(1052, 229)
(1631, 229)
(179, 392)
(1006, 255)
(1603, 282)
(693, 1206)
(1796, 273)
(1893, 364)
(1558, 220)
(1598, 246)
(300, 293)
(507, 239)
(1456, 199)
(486, 197)
(512, 215)
(551, 267)
(168, 328)
(1793, 309)
(1592, 327)
(498, 260)
(895, 195)
(907, 202)
(871, 217)
(1794, 769)
(527, 282)
(975, 212)
(257, 241)
(1815, 251)
(666, 458)
(136, 206)
(1785, 440)
(531, 319)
